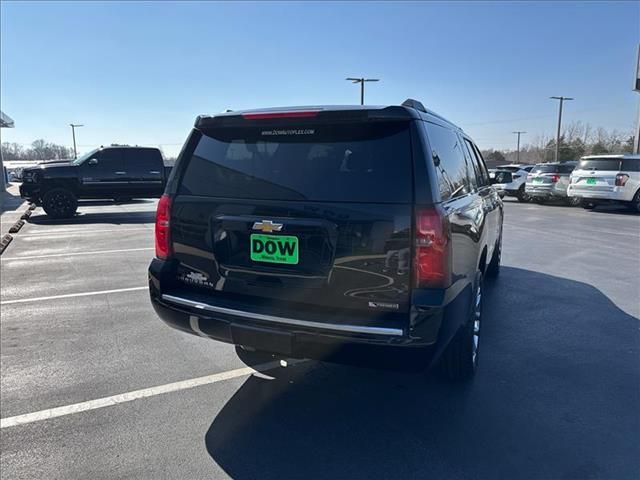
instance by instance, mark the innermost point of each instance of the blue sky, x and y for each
(139, 73)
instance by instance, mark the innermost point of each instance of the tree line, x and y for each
(577, 140)
(39, 150)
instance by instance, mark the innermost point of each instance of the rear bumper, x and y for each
(616, 194)
(545, 191)
(330, 339)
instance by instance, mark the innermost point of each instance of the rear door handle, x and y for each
(156, 172)
(120, 173)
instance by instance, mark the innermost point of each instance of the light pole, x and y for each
(518, 132)
(73, 132)
(562, 99)
(361, 81)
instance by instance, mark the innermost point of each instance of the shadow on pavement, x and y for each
(557, 396)
(101, 203)
(618, 209)
(115, 218)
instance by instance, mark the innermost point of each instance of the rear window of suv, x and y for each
(553, 168)
(368, 162)
(600, 164)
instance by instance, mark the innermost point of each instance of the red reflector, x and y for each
(289, 114)
(163, 237)
(555, 178)
(432, 249)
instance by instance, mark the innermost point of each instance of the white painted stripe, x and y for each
(72, 295)
(136, 395)
(73, 254)
(48, 233)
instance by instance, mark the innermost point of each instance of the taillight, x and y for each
(163, 237)
(555, 178)
(621, 179)
(432, 249)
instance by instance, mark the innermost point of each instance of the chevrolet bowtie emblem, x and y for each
(267, 226)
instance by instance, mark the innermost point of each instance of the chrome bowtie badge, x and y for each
(267, 226)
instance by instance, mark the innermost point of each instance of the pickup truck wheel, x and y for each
(523, 196)
(253, 358)
(587, 205)
(60, 203)
(459, 361)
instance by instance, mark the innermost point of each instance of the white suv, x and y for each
(607, 178)
(515, 187)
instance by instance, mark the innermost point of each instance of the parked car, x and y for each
(549, 181)
(330, 233)
(516, 187)
(510, 181)
(118, 172)
(607, 179)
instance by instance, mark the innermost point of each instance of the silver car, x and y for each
(549, 181)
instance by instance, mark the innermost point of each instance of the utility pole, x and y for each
(362, 81)
(73, 132)
(518, 151)
(562, 99)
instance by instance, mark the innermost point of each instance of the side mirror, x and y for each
(93, 161)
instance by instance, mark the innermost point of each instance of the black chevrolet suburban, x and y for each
(334, 233)
(118, 172)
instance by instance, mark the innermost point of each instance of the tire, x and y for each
(539, 200)
(493, 268)
(252, 358)
(523, 196)
(60, 203)
(635, 203)
(587, 205)
(459, 361)
(574, 201)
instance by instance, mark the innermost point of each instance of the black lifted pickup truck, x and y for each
(350, 234)
(118, 172)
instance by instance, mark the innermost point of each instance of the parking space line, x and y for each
(72, 295)
(73, 254)
(48, 233)
(137, 394)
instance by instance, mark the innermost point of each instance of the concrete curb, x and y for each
(6, 240)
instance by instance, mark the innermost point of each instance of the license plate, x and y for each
(591, 181)
(274, 248)
(538, 180)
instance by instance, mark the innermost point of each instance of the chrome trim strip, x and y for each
(288, 321)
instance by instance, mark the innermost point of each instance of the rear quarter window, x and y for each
(631, 165)
(367, 162)
(449, 161)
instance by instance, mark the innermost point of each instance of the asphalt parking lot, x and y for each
(557, 395)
